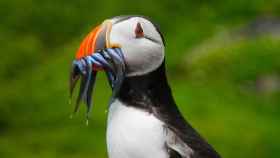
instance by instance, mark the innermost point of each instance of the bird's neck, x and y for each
(146, 91)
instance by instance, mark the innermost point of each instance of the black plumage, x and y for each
(152, 93)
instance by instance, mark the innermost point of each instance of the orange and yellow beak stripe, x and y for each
(88, 45)
(99, 35)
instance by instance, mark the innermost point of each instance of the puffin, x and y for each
(143, 119)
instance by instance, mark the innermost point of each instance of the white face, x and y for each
(142, 54)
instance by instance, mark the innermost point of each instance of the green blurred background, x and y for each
(223, 65)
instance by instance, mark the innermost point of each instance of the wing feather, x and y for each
(176, 146)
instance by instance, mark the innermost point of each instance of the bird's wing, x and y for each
(182, 138)
(176, 147)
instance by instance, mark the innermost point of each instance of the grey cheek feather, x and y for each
(145, 62)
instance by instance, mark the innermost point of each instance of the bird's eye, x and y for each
(139, 33)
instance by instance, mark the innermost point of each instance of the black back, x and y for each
(152, 93)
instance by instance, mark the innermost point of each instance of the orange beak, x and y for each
(97, 39)
(96, 53)
(87, 47)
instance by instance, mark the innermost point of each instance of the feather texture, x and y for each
(151, 93)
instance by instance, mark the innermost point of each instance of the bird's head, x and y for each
(123, 46)
(141, 44)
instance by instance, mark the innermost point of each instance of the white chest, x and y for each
(132, 133)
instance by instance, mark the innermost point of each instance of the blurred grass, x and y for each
(214, 77)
